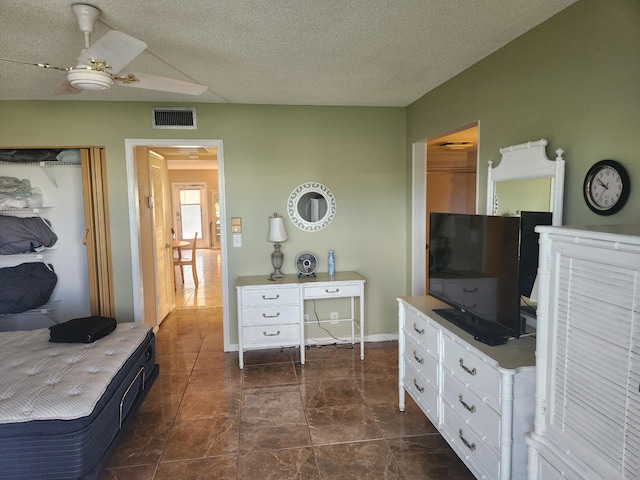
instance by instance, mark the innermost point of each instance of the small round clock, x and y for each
(606, 187)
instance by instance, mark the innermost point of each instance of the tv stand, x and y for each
(479, 397)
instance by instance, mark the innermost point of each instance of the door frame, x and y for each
(132, 191)
(418, 240)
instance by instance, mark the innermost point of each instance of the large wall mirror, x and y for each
(311, 206)
(526, 180)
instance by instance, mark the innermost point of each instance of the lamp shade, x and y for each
(277, 233)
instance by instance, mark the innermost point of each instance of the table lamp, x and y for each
(277, 234)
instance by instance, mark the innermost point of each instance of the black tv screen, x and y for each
(474, 268)
(529, 248)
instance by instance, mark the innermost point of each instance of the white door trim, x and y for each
(130, 146)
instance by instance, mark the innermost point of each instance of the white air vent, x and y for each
(173, 117)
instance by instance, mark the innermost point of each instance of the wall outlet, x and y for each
(306, 317)
(334, 316)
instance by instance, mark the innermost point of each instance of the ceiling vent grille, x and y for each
(174, 117)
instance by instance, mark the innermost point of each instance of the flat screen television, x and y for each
(474, 269)
(529, 248)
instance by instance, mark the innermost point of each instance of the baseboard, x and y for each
(378, 337)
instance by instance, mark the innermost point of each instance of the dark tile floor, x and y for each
(336, 417)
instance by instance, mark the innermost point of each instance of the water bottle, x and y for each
(332, 263)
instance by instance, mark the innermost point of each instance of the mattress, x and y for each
(63, 405)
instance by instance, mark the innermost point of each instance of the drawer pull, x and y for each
(471, 408)
(271, 334)
(264, 315)
(470, 290)
(470, 446)
(471, 307)
(264, 297)
(466, 369)
(419, 330)
(419, 360)
(326, 290)
(420, 389)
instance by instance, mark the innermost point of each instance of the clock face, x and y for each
(606, 187)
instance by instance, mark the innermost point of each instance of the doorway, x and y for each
(141, 298)
(191, 213)
(444, 179)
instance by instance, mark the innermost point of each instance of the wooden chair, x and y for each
(188, 262)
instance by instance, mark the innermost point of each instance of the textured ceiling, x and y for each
(302, 52)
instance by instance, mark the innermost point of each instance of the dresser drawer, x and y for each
(270, 296)
(471, 370)
(470, 445)
(423, 391)
(270, 315)
(422, 360)
(471, 409)
(313, 291)
(271, 335)
(423, 333)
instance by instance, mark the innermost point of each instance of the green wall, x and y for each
(358, 152)
(574, 80)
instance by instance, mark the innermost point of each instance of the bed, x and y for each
(63, 406)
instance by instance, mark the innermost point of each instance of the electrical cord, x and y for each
(339, 341)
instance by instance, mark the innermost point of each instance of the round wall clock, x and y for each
(306, 264)
(606, 187)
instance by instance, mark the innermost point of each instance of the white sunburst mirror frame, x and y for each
(311, 206)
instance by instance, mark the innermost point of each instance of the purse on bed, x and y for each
(82, 330)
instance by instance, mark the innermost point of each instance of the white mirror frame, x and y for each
(528, 161)
(298, 193)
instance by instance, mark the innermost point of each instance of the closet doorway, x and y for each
(444, 180)
(136, 150)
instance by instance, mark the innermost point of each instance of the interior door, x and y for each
(161, 217)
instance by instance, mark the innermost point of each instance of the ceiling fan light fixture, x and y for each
(90, 80)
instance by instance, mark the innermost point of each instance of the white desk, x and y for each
(271, 312)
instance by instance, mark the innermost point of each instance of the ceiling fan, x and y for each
(99, 65)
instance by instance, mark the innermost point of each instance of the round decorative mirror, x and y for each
(311, 206)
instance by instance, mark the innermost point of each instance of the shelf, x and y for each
(30, 255)
(45, 309)
(24, 210)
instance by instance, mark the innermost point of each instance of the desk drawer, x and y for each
(271, 335)
(270, 315)
(330, 291)
(270, 296)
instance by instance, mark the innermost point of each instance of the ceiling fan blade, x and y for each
(42, 65)
(165, 84)
(116, 48)
(66, 88)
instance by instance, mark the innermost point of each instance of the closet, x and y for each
(63, 188)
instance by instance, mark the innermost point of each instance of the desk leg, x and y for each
(303, 341)
(362, 325)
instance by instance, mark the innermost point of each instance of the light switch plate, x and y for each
(237, 240)
(236, 225)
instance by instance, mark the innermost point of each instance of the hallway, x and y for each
(335, 417)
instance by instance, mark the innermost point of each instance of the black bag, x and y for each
(26, 286)
(82, 330)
